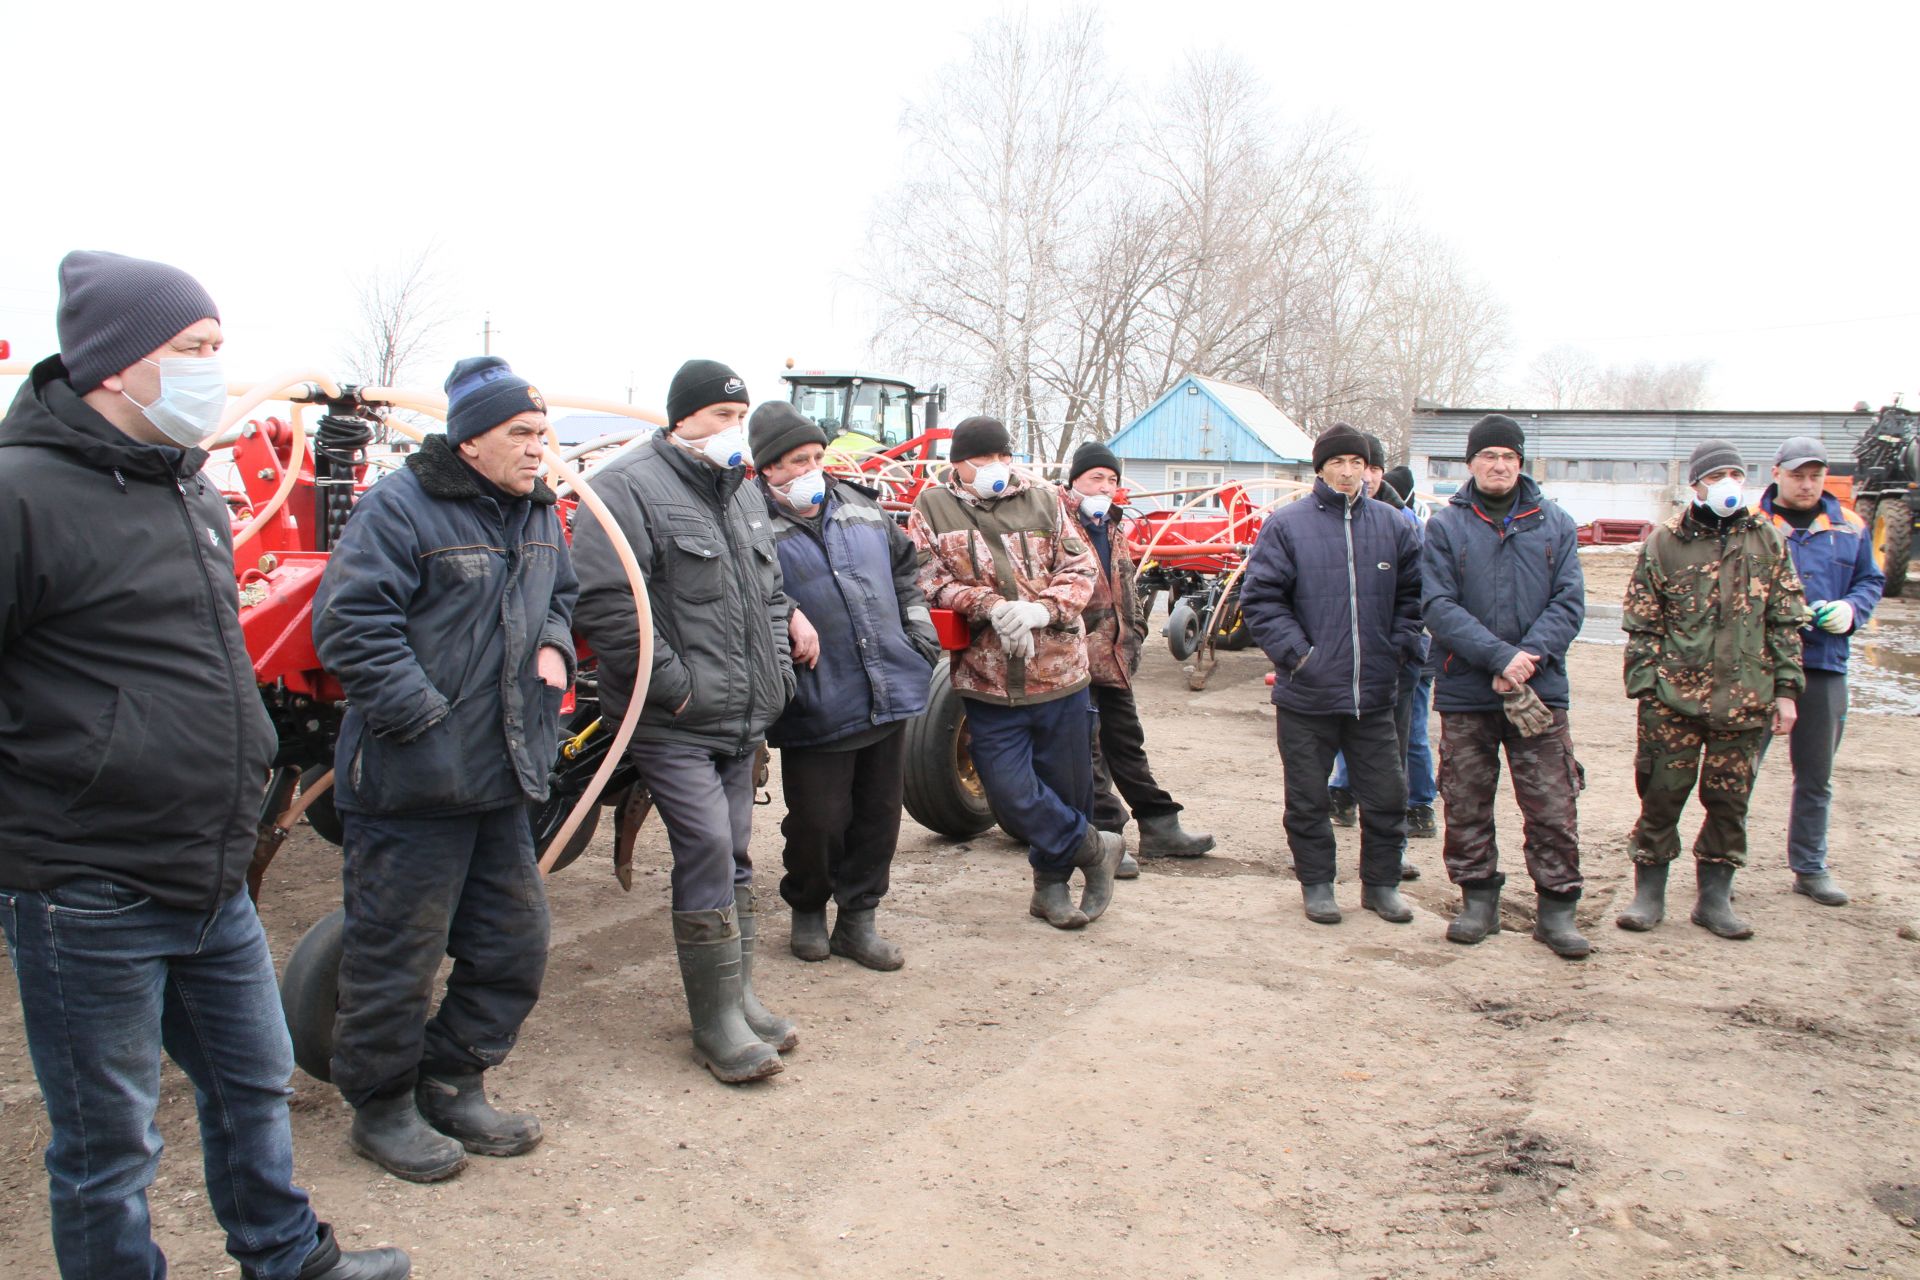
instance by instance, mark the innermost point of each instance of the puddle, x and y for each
(1884, 677)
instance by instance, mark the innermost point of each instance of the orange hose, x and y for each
(288, 475)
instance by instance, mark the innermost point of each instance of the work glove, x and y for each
(1530, 716)
(1833, 615)
(1013, 618)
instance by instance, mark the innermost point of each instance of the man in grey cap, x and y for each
(1833, 555)
(134, 751)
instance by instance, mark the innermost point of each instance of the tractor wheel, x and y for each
(943, 792)
(1893, 540)
(310, 994)
(321, 815)
(1182, 631)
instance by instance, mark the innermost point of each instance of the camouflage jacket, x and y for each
(1116, 625)
(1713, 621)
(1023, 545)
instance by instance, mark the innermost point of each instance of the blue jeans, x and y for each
(108, 978)
(1420, 784)
(1037, 764)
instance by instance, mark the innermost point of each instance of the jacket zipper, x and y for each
(213, 599)
(1353, 607)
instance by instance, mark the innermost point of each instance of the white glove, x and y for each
(1835, 616)
(1019, 645)
(1018, 618)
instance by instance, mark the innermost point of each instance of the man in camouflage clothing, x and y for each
(1713, 618)
(1005, 553)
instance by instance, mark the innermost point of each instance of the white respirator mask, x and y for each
(990, 479)
(805, 491)
(1095, 506)
(1723, 496)
(193, 395)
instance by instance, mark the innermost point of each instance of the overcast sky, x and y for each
(623, 187)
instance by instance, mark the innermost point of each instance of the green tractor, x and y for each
(1886, 488)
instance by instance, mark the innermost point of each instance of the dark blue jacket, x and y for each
(1332, 594)
(434, 607)
(1834, 558)
(1493, 590)
(851, 572)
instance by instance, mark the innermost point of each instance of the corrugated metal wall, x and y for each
(1640, 436)
(1190, 426)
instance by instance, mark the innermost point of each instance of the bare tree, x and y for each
(1568, 377)
(1562, 377)
(401, 309)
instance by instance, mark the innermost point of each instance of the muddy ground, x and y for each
(1201, 1084)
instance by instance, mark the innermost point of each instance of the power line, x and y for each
(1764, 328)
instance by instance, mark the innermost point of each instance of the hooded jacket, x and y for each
(1332, 595)
(435, 604)
(1493, 590)
(722, 669)
(134, 746)
(1834, 558)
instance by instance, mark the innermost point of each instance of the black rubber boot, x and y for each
(456, 1105)
(328, 1261)
(1713, 910)
(1822, 888)
(1128, 868)
(391, 1133)
(1345, 811)
(708, 943)
(1053, 903)
(1553, 924)
(1407, 870)
(1420, 823)
(1649, 906)
(809, 937)
(768, 1025)
(1162, 836)
(1321, 907)
(855, 938)
(1479, 917)
(1384, 900)
(1098, 858)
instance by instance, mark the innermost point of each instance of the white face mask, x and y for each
(805, 491)
(990, 479)
(1095, 506)
(724, 449)
(193, 395)
(1723, 496)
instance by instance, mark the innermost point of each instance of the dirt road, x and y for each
(1201, 1084)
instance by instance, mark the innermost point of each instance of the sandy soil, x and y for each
(1201, 1084)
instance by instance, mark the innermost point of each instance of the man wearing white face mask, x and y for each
(863, 647)
(134, 751)
(722, 670)
(1713, 617)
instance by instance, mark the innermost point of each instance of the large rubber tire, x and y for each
(1893, 540)
(1183, 631)
(321, 815)
(310, 994)
(943, 793)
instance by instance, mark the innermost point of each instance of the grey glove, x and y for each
(1529, 715)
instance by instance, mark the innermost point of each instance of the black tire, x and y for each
(321, 815)
(547, 818)
(1183, 631)
(1892, 532)
(310, 994)
(943, 793)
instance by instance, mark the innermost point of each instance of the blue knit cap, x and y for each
(482, 393)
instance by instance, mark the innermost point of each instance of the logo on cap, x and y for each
(539, 402)
(733, 386)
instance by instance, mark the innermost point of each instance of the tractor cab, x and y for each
(862, 412)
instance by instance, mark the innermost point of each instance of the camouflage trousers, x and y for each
(1547, 782)
(1673, 751)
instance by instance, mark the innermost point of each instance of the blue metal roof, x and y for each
(1199, 419)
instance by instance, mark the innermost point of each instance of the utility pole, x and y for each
(486, 335)
(629, 386)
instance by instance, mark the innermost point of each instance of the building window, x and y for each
(1194, 478)
(1446, 469)
(1606, 471)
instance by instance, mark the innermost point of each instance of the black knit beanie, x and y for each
(776, 428)
(115, 309)
(1376, 453)
(979, 437)
(1339, 440)
(1710, 456)
(1496, 431)
(1093, 453)
(700, 383)
(482, 393)
(1400, 479)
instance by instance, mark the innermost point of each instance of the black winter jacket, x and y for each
(1493, 590)
(853, 575)
(1332, 595)
(432, 613)
(133, 743)
(705, 545)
